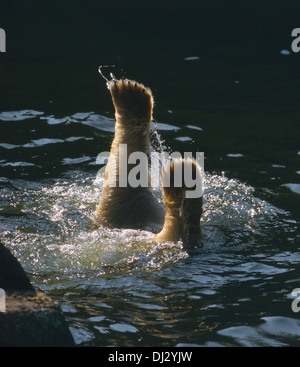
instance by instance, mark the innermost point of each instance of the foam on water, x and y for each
(55, 219)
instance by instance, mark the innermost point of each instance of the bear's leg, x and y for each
(182, 219)
(129, 207)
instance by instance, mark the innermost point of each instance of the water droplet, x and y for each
(113, 78)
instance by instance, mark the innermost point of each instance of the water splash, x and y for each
(49, 226)
(158, 144)
(113, 78)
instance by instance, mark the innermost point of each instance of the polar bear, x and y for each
(137, 207)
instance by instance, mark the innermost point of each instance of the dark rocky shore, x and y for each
(31, 318)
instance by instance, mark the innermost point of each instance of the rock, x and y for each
(27, 318)
(12, 276)
(33, 321)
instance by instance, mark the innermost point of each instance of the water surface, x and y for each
(117, 287)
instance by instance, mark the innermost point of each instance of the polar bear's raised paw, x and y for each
(132, 99)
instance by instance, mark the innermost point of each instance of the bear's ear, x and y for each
(132, 98)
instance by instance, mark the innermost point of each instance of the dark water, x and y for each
(222, 86)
